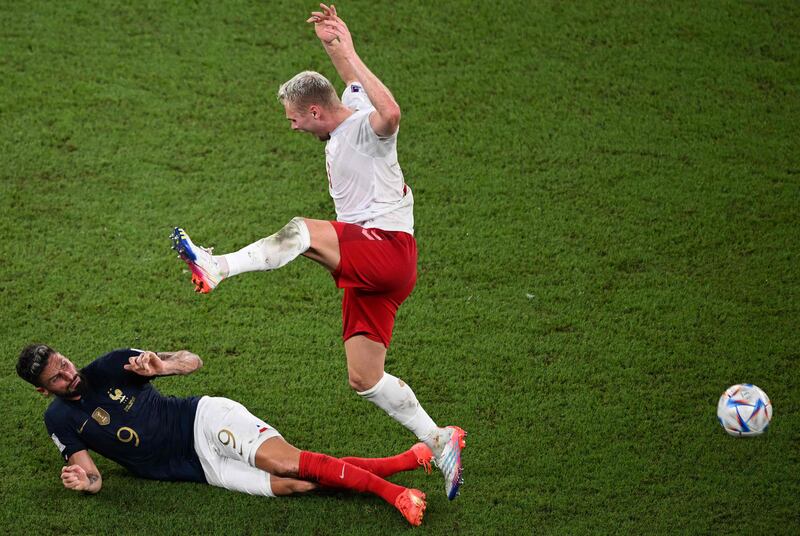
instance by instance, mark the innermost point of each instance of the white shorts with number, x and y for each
(226, 438)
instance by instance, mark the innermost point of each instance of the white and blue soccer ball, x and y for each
(744, 410)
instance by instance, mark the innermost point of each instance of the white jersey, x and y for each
(364, 177)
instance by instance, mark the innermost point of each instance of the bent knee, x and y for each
(361, 384)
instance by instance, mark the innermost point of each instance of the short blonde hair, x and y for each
(307, 88)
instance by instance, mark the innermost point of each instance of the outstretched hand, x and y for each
(329, 27)
(145, 364)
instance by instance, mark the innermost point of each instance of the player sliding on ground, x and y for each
(111, 407)
(370, 250)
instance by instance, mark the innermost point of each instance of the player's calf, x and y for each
(272, 252)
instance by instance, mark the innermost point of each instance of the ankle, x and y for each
(222, 265)
(436, 440)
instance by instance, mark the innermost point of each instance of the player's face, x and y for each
(60, 377)
(306, 121)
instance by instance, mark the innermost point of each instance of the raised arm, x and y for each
(81, 474)
(164, 363)
(338, 43)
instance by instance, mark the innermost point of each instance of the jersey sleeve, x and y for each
(62, 431)
(355, 97)
(364, 139)
(110, 367)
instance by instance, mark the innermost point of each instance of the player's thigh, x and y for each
(324, 243)
(232, 430)
(238, 476)
(373, 260)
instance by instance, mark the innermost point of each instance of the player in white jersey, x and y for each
(370, 249)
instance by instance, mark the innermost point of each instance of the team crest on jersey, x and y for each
(101, 416)
(118, 396)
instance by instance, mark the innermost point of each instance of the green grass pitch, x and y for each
(608, 216)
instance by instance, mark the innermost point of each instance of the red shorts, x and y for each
(377, 270)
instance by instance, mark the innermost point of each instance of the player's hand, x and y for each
(319, 18)
(329, 27)
(74, 477)
(145, 364)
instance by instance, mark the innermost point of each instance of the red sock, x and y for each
(335, 473)
(384, 467)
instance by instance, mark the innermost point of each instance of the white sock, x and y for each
(271, 252)
(396, 398)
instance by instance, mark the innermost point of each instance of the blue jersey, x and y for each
(124, 418)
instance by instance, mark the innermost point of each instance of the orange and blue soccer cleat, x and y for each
(205, 272)
(424, 456)
(449, 462)
(411, 504)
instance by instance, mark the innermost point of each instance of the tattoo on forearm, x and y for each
(181, 362)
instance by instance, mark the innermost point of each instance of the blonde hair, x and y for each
(307, 88)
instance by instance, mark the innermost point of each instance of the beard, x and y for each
(82, 388)
(326, 137)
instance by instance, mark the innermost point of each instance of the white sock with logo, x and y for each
(396, 398)
(271, 252)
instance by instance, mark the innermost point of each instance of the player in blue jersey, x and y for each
(111, 407)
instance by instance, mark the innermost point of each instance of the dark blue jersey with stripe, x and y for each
(123, 417)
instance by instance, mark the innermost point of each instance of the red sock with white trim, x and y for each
(335, 473)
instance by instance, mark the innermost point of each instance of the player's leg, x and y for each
(240, 452)
(418, 455)
(365, 367)
(282, 452)
(278, 457)
(282, 487)
(365, 370)
(316, 239)
(324, 247)
(379, 272)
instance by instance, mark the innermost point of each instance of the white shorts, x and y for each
(226, 438)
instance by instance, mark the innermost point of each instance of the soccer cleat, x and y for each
(449, 461)
(205, 274)
(411, 504)
(424, 456)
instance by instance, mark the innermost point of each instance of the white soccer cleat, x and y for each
(205, 270)
(449, 461)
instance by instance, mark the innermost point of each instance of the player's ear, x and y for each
(314, 110)
(42, 391)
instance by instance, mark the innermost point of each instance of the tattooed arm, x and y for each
(81, 474)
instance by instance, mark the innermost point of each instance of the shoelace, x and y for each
(425, 463)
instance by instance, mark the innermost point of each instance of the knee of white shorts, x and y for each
(235, 475)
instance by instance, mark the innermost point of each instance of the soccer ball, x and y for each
(744, 410)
